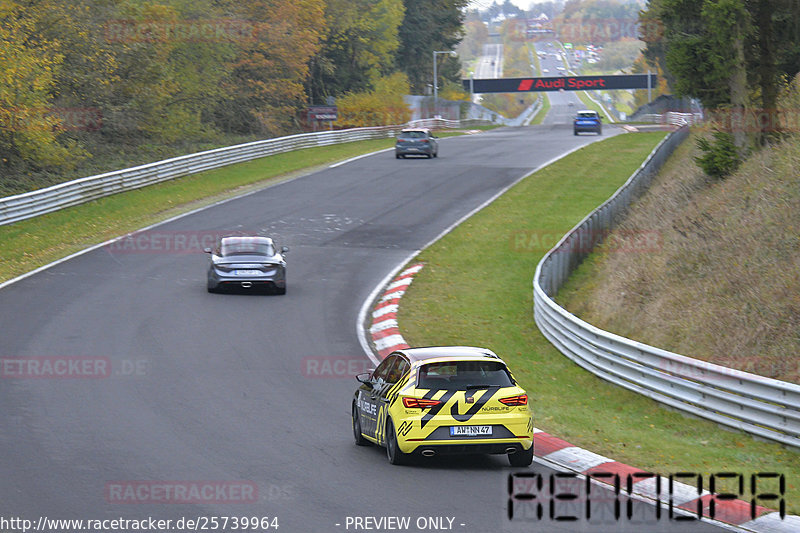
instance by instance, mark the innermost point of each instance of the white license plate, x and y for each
(470, 431)
(246, 272)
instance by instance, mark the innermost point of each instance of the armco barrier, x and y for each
(761, 406)
(35, 203)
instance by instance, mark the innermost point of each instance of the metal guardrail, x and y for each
(673, 118)
(35, 203)
(761, 406)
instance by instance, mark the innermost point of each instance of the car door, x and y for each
(388, 393)
(369, 397)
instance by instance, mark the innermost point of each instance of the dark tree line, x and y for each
(733, 55)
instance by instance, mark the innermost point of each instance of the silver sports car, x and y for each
(247, 263)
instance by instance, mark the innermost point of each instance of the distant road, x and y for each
(563, 105)
(491, 63)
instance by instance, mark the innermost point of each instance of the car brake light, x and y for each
(419, 403)
(424, 141)
(521, 399)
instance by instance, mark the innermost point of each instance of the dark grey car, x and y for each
(247, 263)
(416, 141)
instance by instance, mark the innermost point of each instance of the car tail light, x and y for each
(419, 403)
(521, 399)
(424, 141)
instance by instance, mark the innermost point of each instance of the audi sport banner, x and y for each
(559, 83)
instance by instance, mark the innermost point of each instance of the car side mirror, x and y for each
(207, 250)
(364, 378)
(284, 249)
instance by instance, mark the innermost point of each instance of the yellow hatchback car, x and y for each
(443, 400)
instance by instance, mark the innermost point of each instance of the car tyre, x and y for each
(521, 458)
(575, 132)
(393, 452)
(357, 435)
(280, 290)
(397, 156)
(212, 290)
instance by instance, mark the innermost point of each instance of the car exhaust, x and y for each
(247, 284)
(511, 450)
(428, 453)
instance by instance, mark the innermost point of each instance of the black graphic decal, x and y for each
(490, 391)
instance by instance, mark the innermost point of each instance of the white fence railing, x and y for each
(35, 203)
(761, 406)
(672, 118)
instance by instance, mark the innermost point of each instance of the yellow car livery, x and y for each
(443, 400)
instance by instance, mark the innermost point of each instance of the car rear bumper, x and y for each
(247, 282)
(492, 448)
(508, 430)
(587, 128)
(413, 151)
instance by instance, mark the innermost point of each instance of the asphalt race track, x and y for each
(187, 390)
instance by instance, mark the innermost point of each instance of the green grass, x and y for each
(539, 118)
(35, 242)
(465, 299)
(584, 98)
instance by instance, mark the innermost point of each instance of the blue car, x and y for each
(587, 121)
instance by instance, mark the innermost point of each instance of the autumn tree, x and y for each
(358, 47)
(29, 63)
(266, 86)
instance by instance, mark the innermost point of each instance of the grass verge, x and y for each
(32, 243)
(713, 238)
(457, 299)
(590, 104)
(539, 118)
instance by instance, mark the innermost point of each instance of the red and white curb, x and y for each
(386, 338)
(384, 332)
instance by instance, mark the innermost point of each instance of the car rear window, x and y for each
(587, 115)
(459, 375)
(247, 248)
(413, 134)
